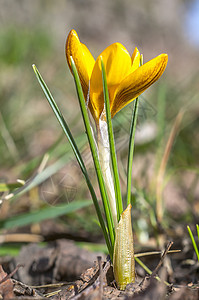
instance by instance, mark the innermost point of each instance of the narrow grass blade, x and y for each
(131, 150)
(193, 242)
(92, 144)
(60, 118)
(71, 140)
(43, 214)
(112, 145)
(17, 189)
(148, 270)
(197, 228)
(38, 178)
(131, 144)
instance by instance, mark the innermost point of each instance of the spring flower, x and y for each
(125, 79)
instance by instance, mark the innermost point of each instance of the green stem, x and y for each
(118, 193)
(105, 163)
(131, 144)
(131, 150)
(197, 228)
(193, 242)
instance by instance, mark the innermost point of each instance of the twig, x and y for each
(148, 271)
(101, 277)
(162, 259)
(154, 253)
(11, 274)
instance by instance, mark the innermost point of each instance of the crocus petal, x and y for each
(88, 58)
(117, 63)
(82, 57)
(138, 81)
(135, 59)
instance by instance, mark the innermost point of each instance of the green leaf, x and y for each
(112, 145)
(43, 214)
(61, 119)
(38, 178)
(71, 140)
(193, 242)
(197, 228)
(131, 150)
(131, 145)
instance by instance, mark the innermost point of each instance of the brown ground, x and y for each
(61, 270)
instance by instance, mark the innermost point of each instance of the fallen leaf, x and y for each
(6, 285)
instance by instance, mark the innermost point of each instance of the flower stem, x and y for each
(105, 163)
(106, 114)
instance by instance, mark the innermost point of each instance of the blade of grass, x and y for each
(112, 145)
(193, 242)
(197, 228)
(39, 177)
(61, 119)
(148, 270)
(43, 214)
(71, 140)
(56, 151)
(131, 144)
(92, 144)
(131, 150)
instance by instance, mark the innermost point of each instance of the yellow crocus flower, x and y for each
(126, 80)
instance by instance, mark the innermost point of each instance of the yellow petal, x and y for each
(138, 81)
(117, 62)
(88, 58)
(135, 59)
(82, 57)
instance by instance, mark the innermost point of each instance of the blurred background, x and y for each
(32, 147)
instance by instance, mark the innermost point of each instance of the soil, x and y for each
(62, 270)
